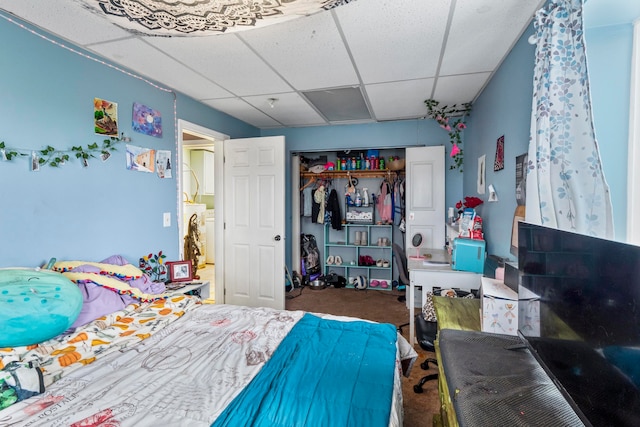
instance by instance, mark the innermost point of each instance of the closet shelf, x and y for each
(363, 173)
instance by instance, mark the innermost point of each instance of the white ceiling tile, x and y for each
(459, 89)
(393, 47)
(241, 110)
(482, 32)
(392, 40)
(225, 60)
(67, 19)
(399, 99)
(149, 62)
(290, 109)
(307, 52)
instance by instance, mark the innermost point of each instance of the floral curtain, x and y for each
(566, 187)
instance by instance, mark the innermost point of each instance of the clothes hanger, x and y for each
(311, 181)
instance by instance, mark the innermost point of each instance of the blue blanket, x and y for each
(324, 373)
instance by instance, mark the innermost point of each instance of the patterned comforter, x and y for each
(141, 367)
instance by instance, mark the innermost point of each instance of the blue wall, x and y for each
(609, 52)
(74, 212)
(504, 108)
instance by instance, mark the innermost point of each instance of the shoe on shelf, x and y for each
(385, 263)
(358, 238)
(384, 284)
(374, 283)
(379, 263)
(338, 260)
(330, 260)
(380, 241)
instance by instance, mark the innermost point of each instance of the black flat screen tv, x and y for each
(579, 302)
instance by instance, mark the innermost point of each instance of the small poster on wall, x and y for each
(105, 117)
(146, 120)
(163, 163)
(140, 159)
(498, 164)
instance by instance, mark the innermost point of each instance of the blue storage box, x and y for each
(468, 255)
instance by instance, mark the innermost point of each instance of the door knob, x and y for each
(277, 238)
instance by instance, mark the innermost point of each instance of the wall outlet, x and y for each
(166, 219)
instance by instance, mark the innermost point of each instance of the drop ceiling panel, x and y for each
(392, 40)
(308, 52)
(460, 89)
(148, 61)
(67, 19)
(243, 111)
(482, 33)
(290, 109)
(399, 99)
(225, 60)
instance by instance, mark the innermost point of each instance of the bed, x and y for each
(175, 361)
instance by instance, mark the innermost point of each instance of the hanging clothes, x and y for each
(333, 207)
(307, 201)
(384, 202)
(319, 197)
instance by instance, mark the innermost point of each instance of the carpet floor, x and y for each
(380, 306)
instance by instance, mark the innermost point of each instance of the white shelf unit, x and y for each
(342, 243)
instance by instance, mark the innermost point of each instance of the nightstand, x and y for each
(199, 288)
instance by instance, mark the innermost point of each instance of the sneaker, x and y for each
(330, 260)
(338, 260)
(384, 284)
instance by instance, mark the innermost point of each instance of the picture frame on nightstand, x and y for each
(180, 271)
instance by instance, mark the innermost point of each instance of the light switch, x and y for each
(166, 219)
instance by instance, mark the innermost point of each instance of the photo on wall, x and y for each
(105, 117)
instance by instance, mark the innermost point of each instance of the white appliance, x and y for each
(199, 209)
(210, 222)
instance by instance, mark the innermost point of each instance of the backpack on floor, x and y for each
(310, 253)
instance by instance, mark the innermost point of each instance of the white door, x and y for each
(254, 222)
(424, 198)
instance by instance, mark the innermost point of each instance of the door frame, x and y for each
(219, 138)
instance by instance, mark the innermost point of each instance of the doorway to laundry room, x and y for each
(197, 223)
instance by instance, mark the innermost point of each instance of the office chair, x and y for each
(425, 330)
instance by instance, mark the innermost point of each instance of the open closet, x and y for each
(356, 215)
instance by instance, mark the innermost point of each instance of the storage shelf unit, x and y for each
(342, 243)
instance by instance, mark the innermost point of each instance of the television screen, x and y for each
(579, 300)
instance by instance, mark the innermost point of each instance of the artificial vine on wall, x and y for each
(450, 118)
(55, 157)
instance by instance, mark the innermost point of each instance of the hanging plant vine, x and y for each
(55, 157)
(451, 118)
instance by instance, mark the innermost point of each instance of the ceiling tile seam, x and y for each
(445, 38)
(504, 57)
(163, 53)
(102, 42)
(293, 88)
(363, 91)
(267, 63)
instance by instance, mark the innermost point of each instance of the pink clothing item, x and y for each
(384, 203)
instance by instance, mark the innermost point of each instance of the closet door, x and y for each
(424, 199)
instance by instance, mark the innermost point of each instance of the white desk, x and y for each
(428, 273)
